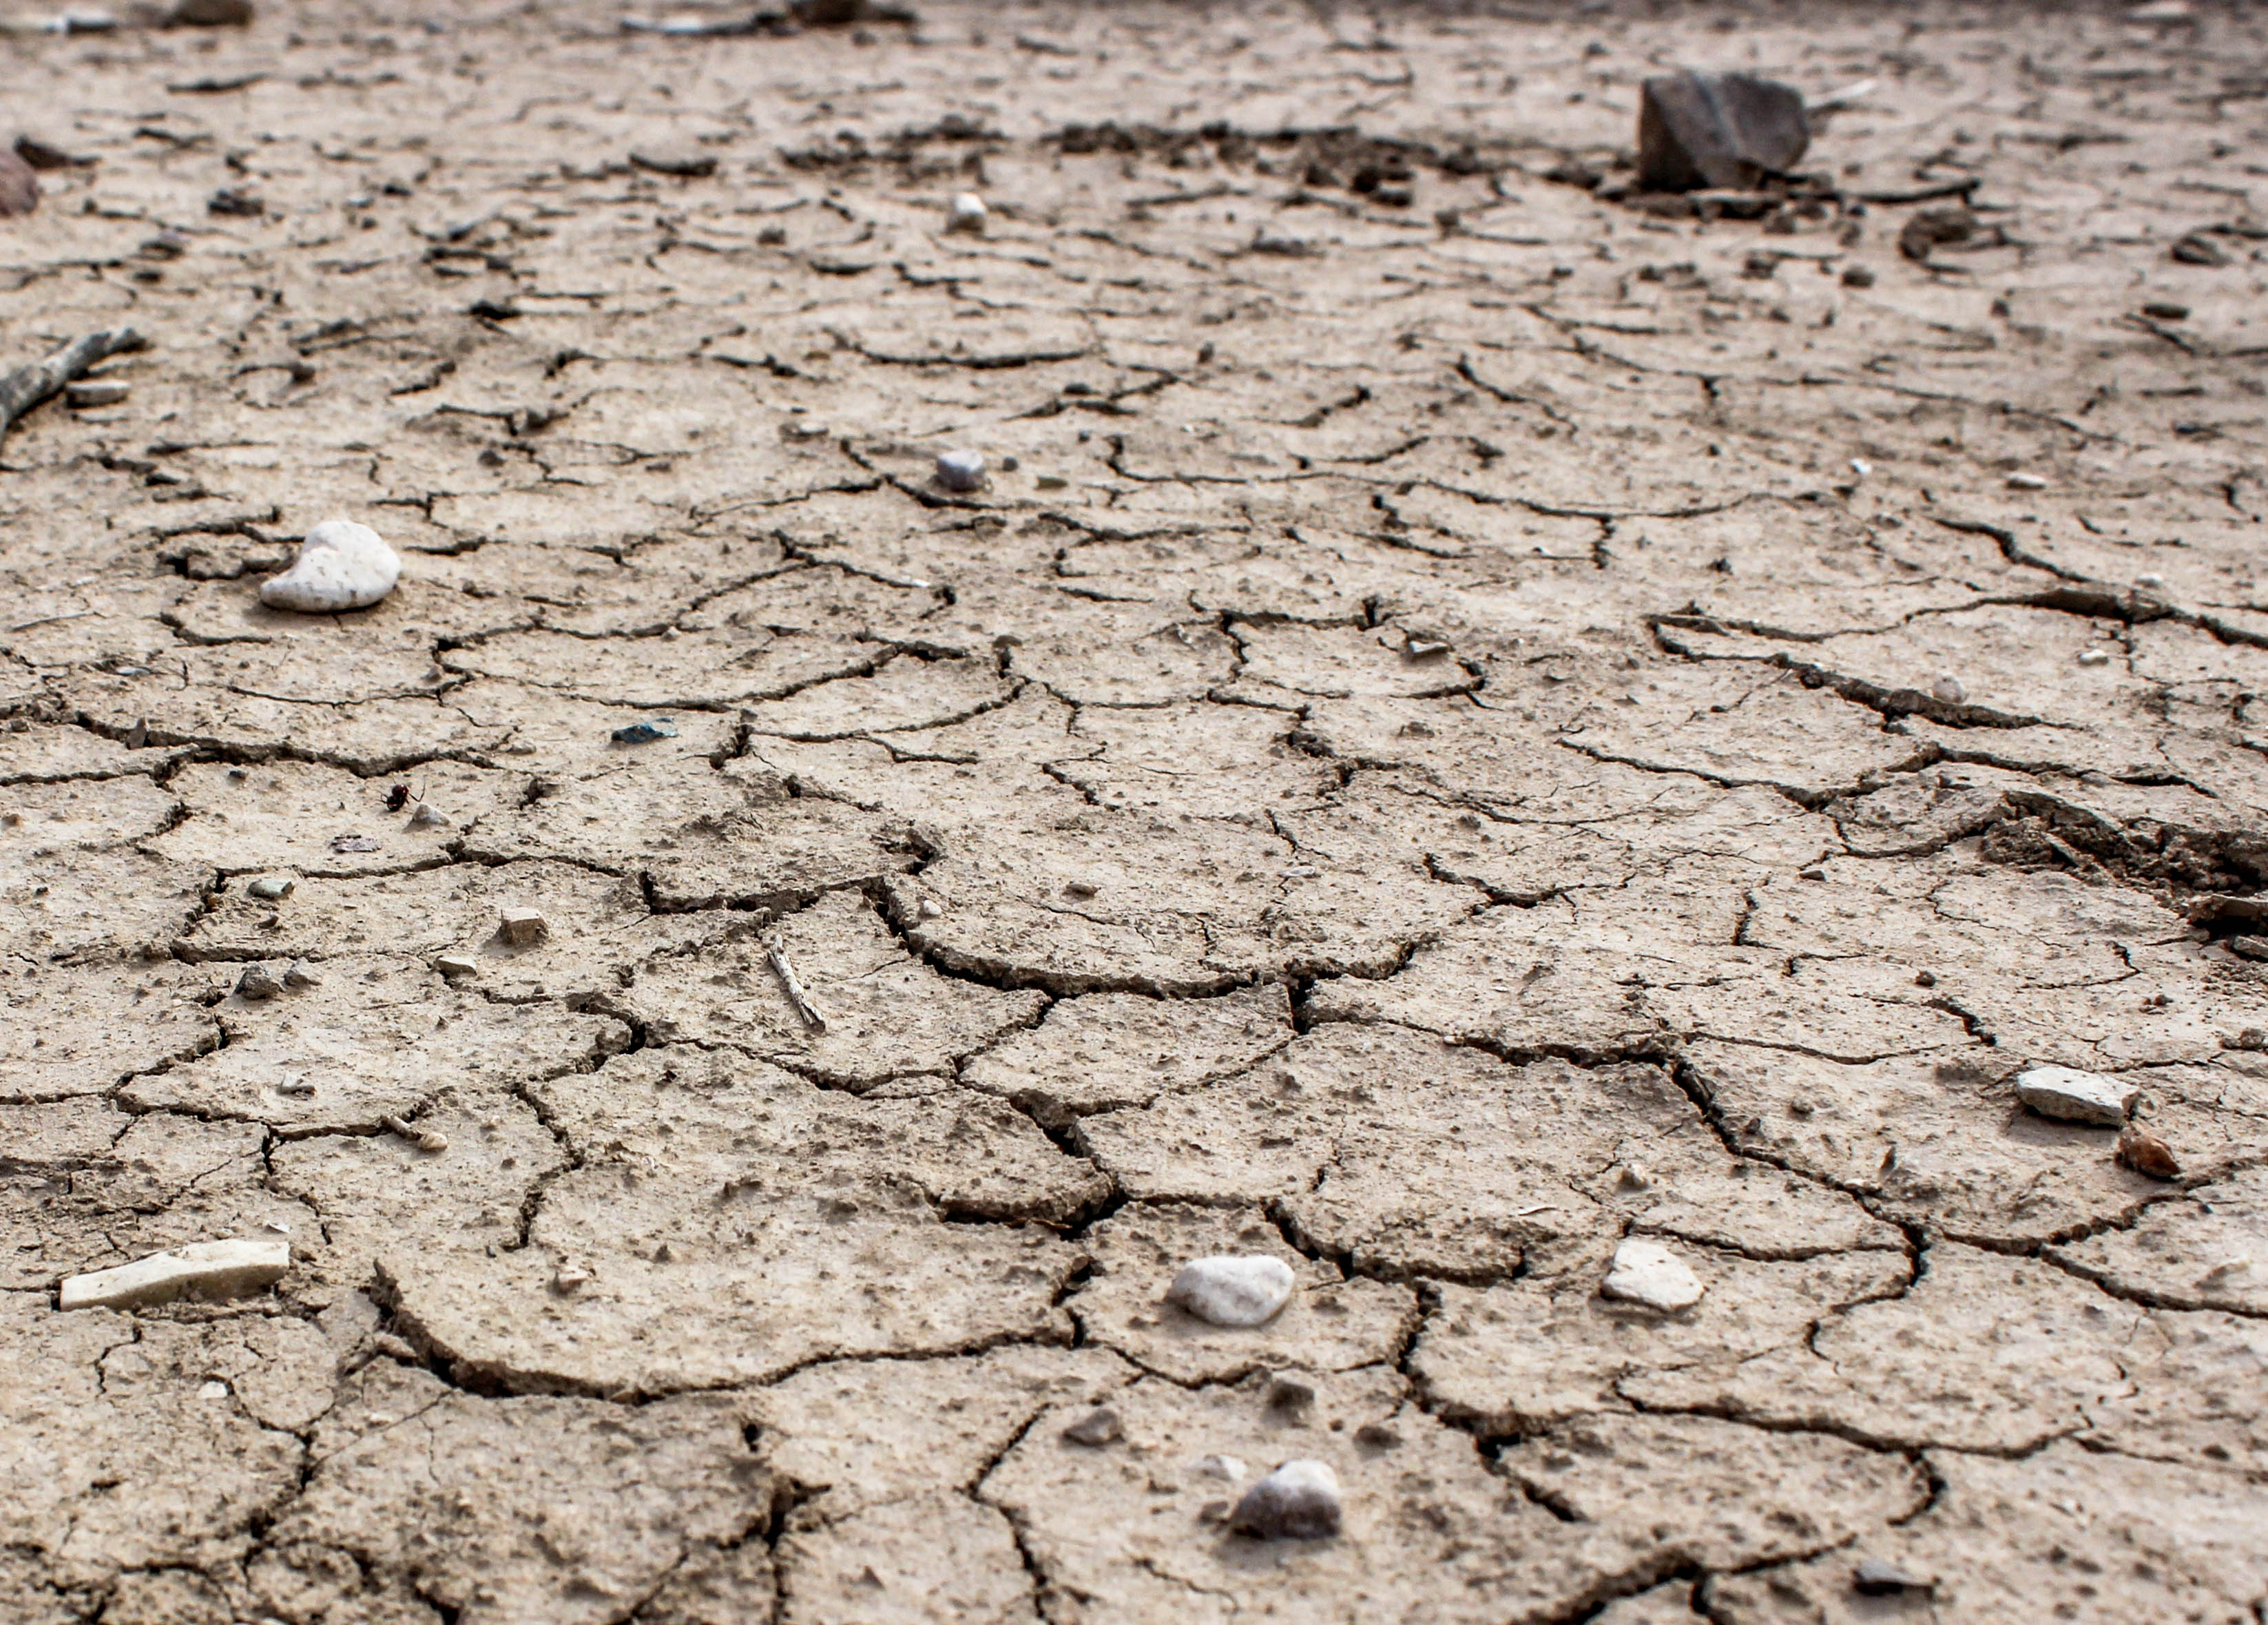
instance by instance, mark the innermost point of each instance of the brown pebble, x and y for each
(2145, 1154)
(19, 187)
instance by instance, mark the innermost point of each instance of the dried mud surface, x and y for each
(1485, 721)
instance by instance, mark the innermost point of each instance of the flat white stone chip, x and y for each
(208, 1268)
(1237, 1290)
(1647, 1273)
(2076, 1096)
(342, 565)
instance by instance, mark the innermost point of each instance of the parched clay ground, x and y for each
(1434, 762)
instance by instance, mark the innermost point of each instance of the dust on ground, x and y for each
(1483, 722)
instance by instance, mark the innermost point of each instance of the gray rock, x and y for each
(1099, 1427)
(523, 927)
(1717, 129)
(268, 888)
(257, 982)
(961, 470)
(301, 974)
(1233, 1290)
(2076, 1096)
(1298, 1501)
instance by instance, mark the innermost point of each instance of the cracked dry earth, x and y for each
(1432, 763)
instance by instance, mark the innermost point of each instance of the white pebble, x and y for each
(2076, 1096)
(454, 965)
(966, 213)
(428, 817)
(1228, 1467)
(2095, 657)
(931, 908)
(2149, 583)
(522, 926)
(2027, 481)
(342, 565)
(1860, 467)
(1947, 687)
(1298, 1501)
(1647, 1273)
(209, 1268)
(1246, 1290)
(961, 470)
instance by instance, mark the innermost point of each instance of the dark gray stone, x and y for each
(1717, 129)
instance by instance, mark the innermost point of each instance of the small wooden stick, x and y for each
(796, 996)
(27, 386)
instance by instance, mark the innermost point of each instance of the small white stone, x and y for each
(2027, 481)
(1227, 1290)
(1947, 687)
(209, 1268)
(215, 1390)
(2076, 1096)
(1647, 1273)
(961, 470)
(2149, 583)
(1860, 467)
(428, 817)
(966, 213)
(342, 565)
(1298, 1501)
(2095, 657)
(454, 965)
(931, 908)
(523, 927)
(1230, 1468)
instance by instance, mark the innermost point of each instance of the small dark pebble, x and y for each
(646, 732)
(2197, 249)
(1289, 1394)
(1858, 276)
(2162, 310)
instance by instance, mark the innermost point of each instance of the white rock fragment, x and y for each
(1860, 467)
(965, 213)
(522, 927)
(428, 817)
(1649, 1273)
(961, 470)
(424, 1139)
(2027, 481)
(301, 974)
(205, 1269)
(2095, 657)
(1230, 1468)
(2149, 583)
(342, 565)
(1947, 687)
(2076, 1096)
(1233, 1290)
(931, 908)
(454, 965)
(1298, 1501)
